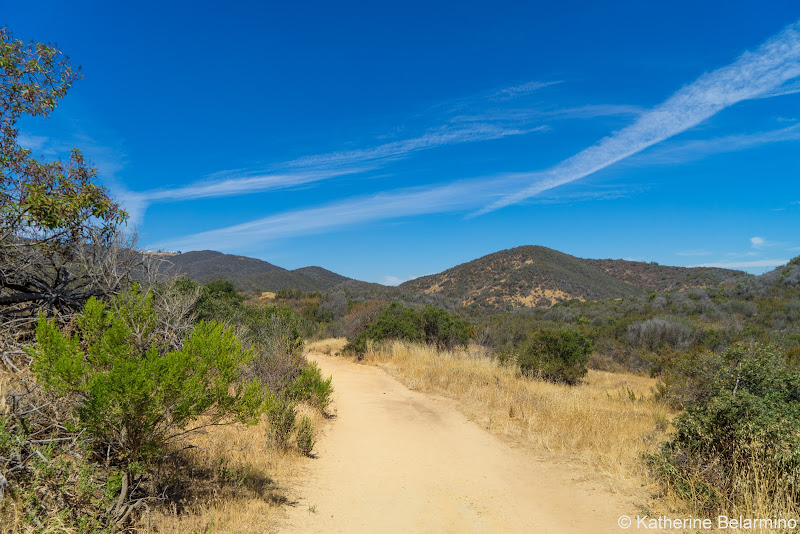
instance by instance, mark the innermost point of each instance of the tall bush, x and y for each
(135, 397)
(556, 354)
(736, 446)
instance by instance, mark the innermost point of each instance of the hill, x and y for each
(324, 278)
(534, 276)
(527, 276)
(206, 265)
(655, 277)
(251, 274)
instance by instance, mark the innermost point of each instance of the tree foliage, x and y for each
(54, 218)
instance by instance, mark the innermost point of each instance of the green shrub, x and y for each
(282, 417)
(312, 388)
(557, 355)
(434, 325)
(217, 300)
(736, 443)
(305, 436)
(444, 330)
(135, 393)
(274, 335)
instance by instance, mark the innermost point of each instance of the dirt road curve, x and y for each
(395, 460)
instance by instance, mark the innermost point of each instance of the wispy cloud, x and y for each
(522, 115)
(694, 253)
(458, 196)
(390, 280)
(786, 89)
(685, 151)
(402, 148)
(136, 202)
(524, 89)
(759, 243)
(34, 143)
(314, 168)
(325, 166)
(754, 74)
(734, 264)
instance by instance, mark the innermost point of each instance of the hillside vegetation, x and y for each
(250, 274)
(522, 277)
(534, 276)
(654, 277)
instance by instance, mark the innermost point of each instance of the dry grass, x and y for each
(243, 483)
(608, 421)
(331, 346)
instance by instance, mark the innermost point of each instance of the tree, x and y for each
(57, 227)
(433, 325)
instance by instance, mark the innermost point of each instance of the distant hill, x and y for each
(324, 278)
(250, 274)
(534, 276)
(528, 276)
(207, 265)
(655, 277)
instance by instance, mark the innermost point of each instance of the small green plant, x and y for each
(305, 436)
(312, 388)
(282, 420)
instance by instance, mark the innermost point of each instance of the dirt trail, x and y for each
(395, 460)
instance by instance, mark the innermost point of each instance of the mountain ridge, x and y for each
(522, 277)
(536, 276)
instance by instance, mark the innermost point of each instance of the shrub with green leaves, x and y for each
(444, 330)
(282, 417)
(736, 444)
(434, 326)
(555, 354)
(305, 436)
(135, 393)
(312, 388)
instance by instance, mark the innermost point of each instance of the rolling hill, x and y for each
(250, 274)
(534, 276)
(655, 277)
(527, 276)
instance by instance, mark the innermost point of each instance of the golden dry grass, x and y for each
(258, 480)
(330, 346)
(608, 421)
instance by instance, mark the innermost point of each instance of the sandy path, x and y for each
(395, 460)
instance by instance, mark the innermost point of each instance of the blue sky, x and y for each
(388, 141)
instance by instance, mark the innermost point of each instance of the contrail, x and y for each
(754, 74)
